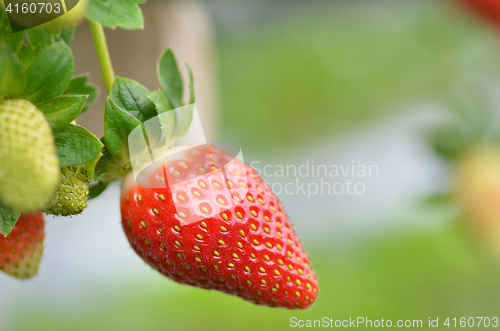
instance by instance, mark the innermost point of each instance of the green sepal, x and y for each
(14, 40)
(118, 124)
(8, 219)
(166, 116)
(131, 96)
(75, 145)
(49, 73)
(96, 190)
(160, 101)
(183, 118)
(108, 169)
(90, 166)
(191, 84)
(12, 74)
(27, 54)
(66, 35)
(170, 78)
(62, 110)
(40, 37)
(116, 13)
(79, 85)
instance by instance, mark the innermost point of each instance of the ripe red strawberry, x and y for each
(488, 9)
(21, 251)
(249, 250)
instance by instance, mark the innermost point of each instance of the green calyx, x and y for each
(29, 167)
(71, 195)
(162, 115)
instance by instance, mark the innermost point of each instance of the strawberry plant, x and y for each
(246, 246)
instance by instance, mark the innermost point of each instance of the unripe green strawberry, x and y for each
(72, 193)
(21, 251)
(71, 18)
(29, 168)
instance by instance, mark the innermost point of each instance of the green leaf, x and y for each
(107, 168)
(12, 75)
(132, 97)
(14, 40)
(166, 117)
(66, 35)
(183, 118)
(191, 84)
(160, 101)
(96, 190)
(117, 126)
(90, 166)
(75, 145)
(50, 73)
(40, 37)
(174, 123)
(27, 54)
(61, 110)
(79, 85)
(8, 220)
(116, 13)
(170, 78)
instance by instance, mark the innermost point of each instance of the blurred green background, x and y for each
(293, 76)
(401, 277)
(321, 70)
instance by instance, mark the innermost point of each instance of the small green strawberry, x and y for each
(72, 193)
(29, 167)
(21, 251)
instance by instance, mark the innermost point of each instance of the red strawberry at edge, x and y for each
(488, 9)
(21, 251)
(250, 250)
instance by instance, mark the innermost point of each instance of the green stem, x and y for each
(101, 48)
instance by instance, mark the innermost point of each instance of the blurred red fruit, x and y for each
(487, 9)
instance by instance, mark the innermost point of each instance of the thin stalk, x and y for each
(101, 48)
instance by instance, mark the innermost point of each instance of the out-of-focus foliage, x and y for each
(418, 276)
(320, 73)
